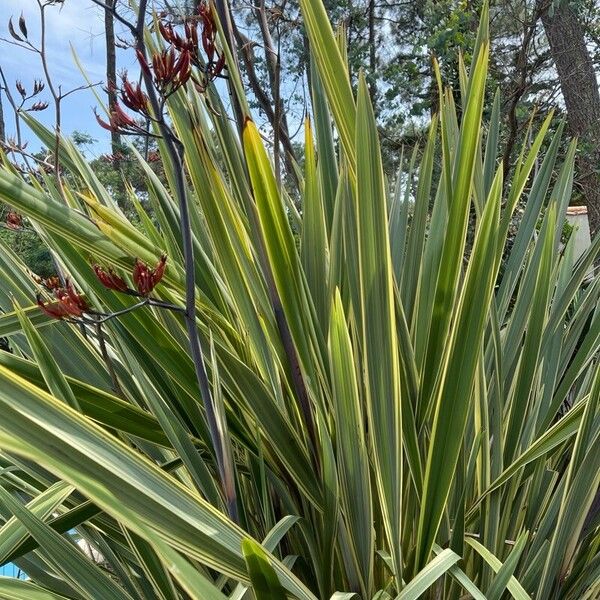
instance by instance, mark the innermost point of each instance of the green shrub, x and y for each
(386, 416)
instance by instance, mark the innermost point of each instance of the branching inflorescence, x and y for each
(70, 305)
(168, 69)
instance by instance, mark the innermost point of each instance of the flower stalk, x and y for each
(175, 154)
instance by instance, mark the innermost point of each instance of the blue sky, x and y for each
(79, 23)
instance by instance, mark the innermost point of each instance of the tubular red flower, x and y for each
(109, 279)
(54, 310)
(142, 61)
(134, 97)
(169, 64)
(158, 66)
(70, 300)
(120, 118)
(39, 106)
(217, 67)
(103, 123)
(191, 34)
(159, 270)
(183, 68)
(146, 279)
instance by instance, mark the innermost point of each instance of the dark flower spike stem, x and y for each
(103, 318)
(175, 155)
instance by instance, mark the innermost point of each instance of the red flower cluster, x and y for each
(119, 120)
(133, 97)
(109, 279)
(214, 61)
(50, 283)
(171, 71)
(189, 42)
(14, 220)
(144, 278)
(37, 106)
(147, 279)
(69, 303)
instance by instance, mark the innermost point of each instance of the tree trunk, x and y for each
(522, 73)
(277, 118)
(111, 69)
(2, 126)
(372, 56)
(579, 87)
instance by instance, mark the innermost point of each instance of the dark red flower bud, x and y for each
(191, 36)
(109, 279)
(158, 66)
(188, 26)
(218, 66)
(39, 106)
(13, 33)
(166, 30)
(183, 68)
(143, 62)
(14, 220)
(134, 97)
(21, 89)
(207, 43)
(102, 122)
(52, 309)
(159, 270)
(70, 300)
(23, 25)
(169, 64)
(146, 279)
